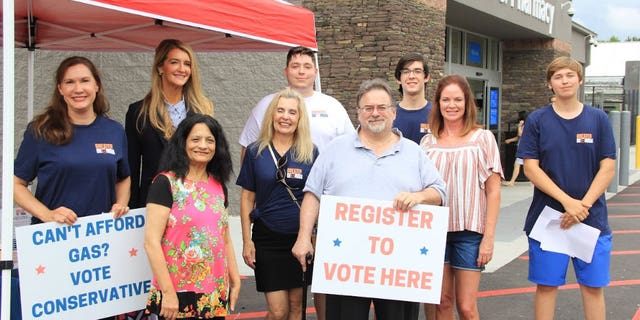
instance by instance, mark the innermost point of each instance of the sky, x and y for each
(608, 18)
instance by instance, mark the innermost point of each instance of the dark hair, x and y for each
(407, 59)
(373, 84)
(522, 115)
(303, 51)
(53, 124)
(174, 157)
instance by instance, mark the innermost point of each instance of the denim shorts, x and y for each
(550, 268)
(461, 251)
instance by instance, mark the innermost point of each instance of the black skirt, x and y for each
(276, 267)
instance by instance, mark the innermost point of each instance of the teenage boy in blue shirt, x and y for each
(569, 155)
(413, 111)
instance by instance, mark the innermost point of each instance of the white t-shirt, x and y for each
(328, 119)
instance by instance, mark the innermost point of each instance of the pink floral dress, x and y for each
(194, 248)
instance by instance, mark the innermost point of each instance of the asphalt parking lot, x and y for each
(505, 293)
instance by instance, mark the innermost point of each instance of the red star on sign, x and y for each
(40, 269)
(133, 252)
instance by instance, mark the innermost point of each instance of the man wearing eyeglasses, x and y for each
(376, 162)
(412, 114)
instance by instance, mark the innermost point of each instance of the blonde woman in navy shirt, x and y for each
(274, 172)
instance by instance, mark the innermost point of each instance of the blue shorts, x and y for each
(461, 251)
(550, 268)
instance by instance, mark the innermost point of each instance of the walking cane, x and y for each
(304, 286)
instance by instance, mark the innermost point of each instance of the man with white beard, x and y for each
(375, 162)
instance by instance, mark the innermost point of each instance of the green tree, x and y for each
(632, 38)
(614, 39)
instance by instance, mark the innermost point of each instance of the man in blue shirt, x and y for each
(413, 111)
(375, 162)
(569, 156)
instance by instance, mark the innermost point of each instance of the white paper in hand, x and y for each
(578, 241)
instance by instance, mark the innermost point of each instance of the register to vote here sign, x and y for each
(92, 269)
(366, 248)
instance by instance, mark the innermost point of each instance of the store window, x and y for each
(455, 46)
(476, 51)
(494, 55)
(472, 50)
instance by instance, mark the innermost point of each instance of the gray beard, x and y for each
(376, 128)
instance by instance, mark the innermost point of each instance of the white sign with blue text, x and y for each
(95, 267)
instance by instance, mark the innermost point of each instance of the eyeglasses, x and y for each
(417, 72)
(368, 109)
(281, 172)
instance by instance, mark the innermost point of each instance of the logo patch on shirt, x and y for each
(424, 127)
(103, 148)
(584, 138)
(294, 173)
(319, 114)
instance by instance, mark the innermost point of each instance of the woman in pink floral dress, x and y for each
(195, 275)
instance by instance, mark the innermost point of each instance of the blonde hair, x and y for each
(302, 148)
(470, 117)
(153, 104)
(563, 62)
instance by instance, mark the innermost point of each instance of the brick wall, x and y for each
(523, 75)
(364, 39)
(524, 85)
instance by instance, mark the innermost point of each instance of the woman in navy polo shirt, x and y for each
(78, 154)
(274, 171)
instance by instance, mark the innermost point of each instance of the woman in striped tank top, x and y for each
(468, 159)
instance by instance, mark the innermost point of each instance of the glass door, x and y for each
(478, 87)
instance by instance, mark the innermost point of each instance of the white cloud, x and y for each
(609, 18)
(624, 21)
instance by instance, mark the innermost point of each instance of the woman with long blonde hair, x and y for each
(274, 171)
(176, 91)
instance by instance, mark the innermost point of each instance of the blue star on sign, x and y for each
(337, 242)
(424, 250)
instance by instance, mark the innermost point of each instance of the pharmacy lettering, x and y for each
(538, 9)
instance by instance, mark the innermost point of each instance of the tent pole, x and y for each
(30, 87)
(318, 85)
(8, 98)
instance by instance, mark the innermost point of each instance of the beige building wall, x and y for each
(234, 81)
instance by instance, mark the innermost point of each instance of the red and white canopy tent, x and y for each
(132, 25)
(139, 25)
